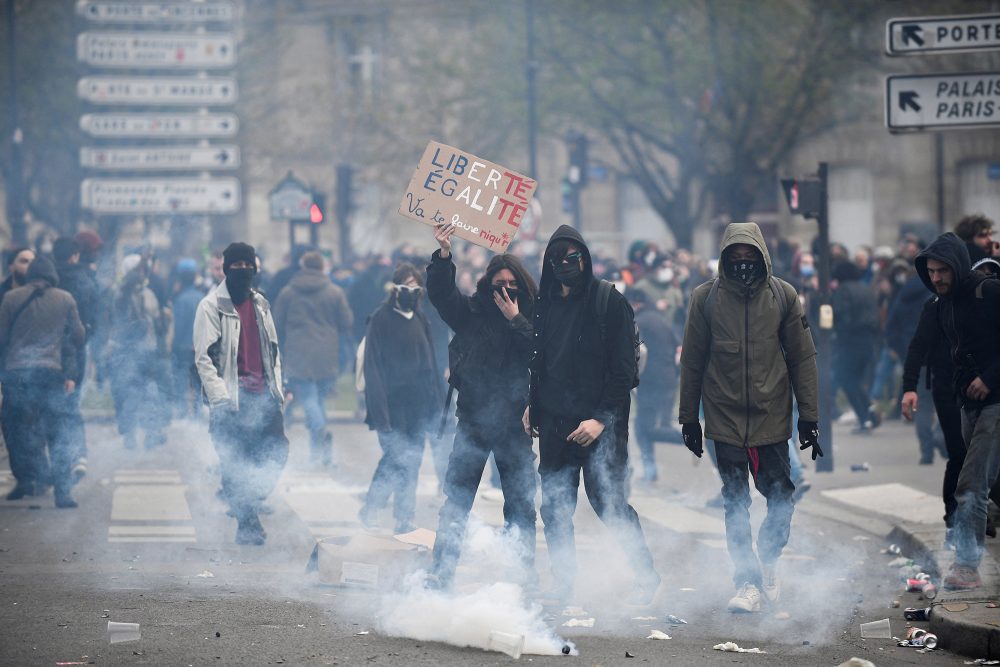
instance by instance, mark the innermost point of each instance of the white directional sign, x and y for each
(942, 34)
(157, 90)
(161, 157)
(160, 125)
(169, 195)
(156, 12)
(930, 101)
(156, 49)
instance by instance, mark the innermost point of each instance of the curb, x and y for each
(960, 619)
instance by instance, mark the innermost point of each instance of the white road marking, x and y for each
(143, 503)
(147, 502)
(676, 517)
(901, 502)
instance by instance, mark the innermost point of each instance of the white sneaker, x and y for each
(770, 587)
(746, 600)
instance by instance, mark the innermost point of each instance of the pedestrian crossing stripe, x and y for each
(150, 505)
(899, 501)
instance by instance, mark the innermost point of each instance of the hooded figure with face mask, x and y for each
(403, 392)
(236, 353)
(488, 360)
(582, 374)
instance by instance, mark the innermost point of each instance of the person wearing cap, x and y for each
(135, 341)
(39, 331)
(236, 353)
(186, 382)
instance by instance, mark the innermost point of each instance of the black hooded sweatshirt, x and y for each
(575, 372)
(969, 317)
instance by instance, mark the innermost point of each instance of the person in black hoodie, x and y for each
(489, 354)
(855, 325)
(402, 393)
(582, 373)
(968, 312)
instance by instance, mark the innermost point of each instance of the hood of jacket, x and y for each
(565, 232)
(750, 234)
(951, 250)
(42, 268)
(309, 281)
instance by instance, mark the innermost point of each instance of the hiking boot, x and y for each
(770, 586)
(78, 471)
(20, 490)
(962, 578)
(746, 600)
(643, 590)
(65, 501)
(249, 531)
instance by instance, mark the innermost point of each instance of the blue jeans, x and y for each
(311, 395)
(981, 432)
(885, 367)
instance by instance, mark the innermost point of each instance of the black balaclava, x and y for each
(407, 299)
(744, 271)
(239, 281)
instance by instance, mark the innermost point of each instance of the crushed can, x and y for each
(922, 575)
(929, 590)
(914, 633)
(927, 640)
(914, 614)
(914, 585)
(894, 550)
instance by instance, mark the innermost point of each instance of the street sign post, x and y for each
(155, 50)
(162, 157)
(147, 90)
(160, 125)
(942, 34)
(942, 101)
(156, 12)
(167, 195)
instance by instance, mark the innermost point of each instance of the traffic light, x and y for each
(803, 196)
(345, 198)
(317, 208)
(578, 167)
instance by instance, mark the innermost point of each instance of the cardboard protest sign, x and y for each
(485, 201)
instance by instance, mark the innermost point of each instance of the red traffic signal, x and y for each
(315, 214)
(802, 195)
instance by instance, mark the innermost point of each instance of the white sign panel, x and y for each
(156, 49)
(168, 195)
(155, 12)
(157, 90)
(915, 102)
(161, 157)
(942, 34)
(160, 125)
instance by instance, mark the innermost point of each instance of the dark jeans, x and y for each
(773, 480)
(981, 432)
(850, 373)
(653, 408)
(252, 450)
(34, 415)
(396, 473)
(135, 387)
(605, 471)
(950, 417)
(929, 436)
(187, 383)
(516, 462)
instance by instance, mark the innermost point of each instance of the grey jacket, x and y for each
(36, 339)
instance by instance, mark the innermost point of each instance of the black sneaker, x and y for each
(65, 501)
(20, 490)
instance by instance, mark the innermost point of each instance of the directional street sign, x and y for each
(156, 49)
(168, 195)
(156, 12)
(160, 125)
(939, 101)
(161, 157)
(942, 34)
(157, 90)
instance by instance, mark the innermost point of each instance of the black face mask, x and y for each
(568, 274)
(239, 281)
(407, 300)
(512, 292)
(744, 270)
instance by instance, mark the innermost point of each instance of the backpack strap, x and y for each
(780, 295)
(604, 288)
(979, 289)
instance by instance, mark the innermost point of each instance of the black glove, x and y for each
(692, 438)
(809, 437)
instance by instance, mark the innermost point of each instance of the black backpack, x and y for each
(604, 289)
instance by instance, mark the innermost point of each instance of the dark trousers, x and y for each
(772, 477)
(605, 470)
(252, 450)
(850, 373)
(515, 460)
(950, 417)
(186, 383)
(34, 415)
(654, 405)
(397, 471)
(136, 381)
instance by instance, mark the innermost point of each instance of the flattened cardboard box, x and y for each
(375, 561)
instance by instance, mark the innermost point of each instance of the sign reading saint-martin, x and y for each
(485, 201)
(942, 34)
(155, 12)
(157, 90)
(167, 195)
(156, 49)
(929, 101)
(161, 157)
(160, 125)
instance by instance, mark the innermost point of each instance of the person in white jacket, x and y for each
(236, 353)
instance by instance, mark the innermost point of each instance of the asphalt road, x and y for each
(150, 544)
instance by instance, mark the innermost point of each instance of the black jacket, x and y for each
(855, 313)
(661, 342)
(489, 354)
(969, 317)
(928, 347)
(904, 313)
(78, 280)
(603, 368)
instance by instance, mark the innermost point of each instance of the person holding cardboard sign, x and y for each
(489, 367)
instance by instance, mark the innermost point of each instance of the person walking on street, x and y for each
(747, 347)
(968, 312)
(855, 327)
(310, 315)
(39, 331)
(402, 393)
(490, 354)
(236, 352)
(582, 373)
(17, 270)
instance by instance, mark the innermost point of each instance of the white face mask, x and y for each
(665, 275)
